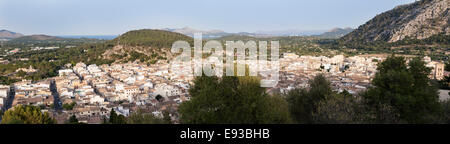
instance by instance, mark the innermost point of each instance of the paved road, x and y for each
(57, 102)
(10, 98)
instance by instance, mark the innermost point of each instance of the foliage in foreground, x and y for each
(232, 100)
(25, 114)
(140, 117)
(407, 88)
(401, 93)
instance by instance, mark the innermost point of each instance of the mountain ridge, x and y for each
(6, 34)
(336, 33)
(418, 20)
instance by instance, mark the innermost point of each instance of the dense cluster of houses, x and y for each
(95, 90)
(33, 93)
(345, 73)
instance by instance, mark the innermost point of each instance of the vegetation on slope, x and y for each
(151, 38)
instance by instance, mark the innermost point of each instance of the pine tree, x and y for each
(73, 119)
(232, 100)
(112, 116)
(407, 90)
(303, 103)
(25, 114)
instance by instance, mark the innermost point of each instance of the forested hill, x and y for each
(419, 20)
(147, 46)
(150, 38)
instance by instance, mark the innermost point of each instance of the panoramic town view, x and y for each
(387, 62)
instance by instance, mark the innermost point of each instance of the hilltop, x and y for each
(146, 45)
(336, 33)
(150, 38)
(37, 38)
(5, 34)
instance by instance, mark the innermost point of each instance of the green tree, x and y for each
(232, 99)
(120, 120)
(4, 80)
(21, 73)
(70, 106)
(114, 118)
(166, 117)
(407, 90)
(381, 113)
(337, 109)
(447, 66)
(73, 120)
(303, 103)
(446, 111)
(25, 114)
(1, 114)
(139, 117)
(445, 83)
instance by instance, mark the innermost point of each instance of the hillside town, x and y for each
(90, 92)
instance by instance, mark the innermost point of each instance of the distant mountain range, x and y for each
(38, 37)
(5, 34)
(336, 33)
(419, 20)
(220, 33)
(100, 37)
(207, 34)
(14, 36)
(290, 32)
(35, 39)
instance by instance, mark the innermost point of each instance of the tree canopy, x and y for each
(140, 117)
(447, 66)
(232, 100)
(115, 118)
(73, 120)
(25, 114)
(406, 88)
(303, 102)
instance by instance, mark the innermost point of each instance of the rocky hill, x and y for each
(5, 34)
(419, 20)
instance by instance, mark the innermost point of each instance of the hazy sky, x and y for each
(111, 17)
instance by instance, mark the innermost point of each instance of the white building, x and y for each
(2, 101)
(65, 72)
(166, 90)
(122, 111)
(97, 99)
(4, 90)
